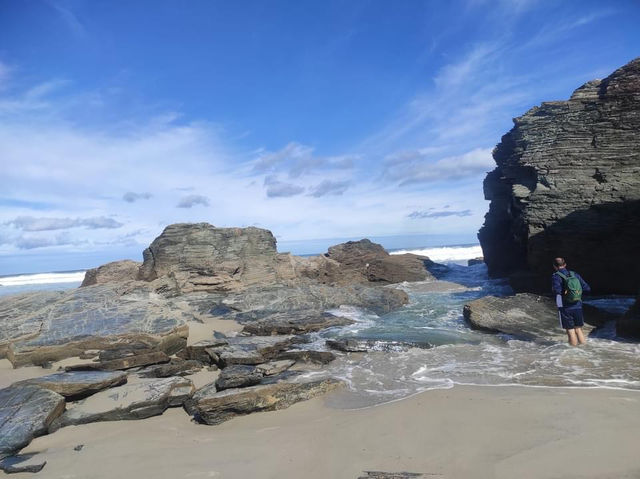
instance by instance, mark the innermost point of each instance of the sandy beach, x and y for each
(463, 432)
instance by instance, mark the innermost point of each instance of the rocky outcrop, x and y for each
(526, 316)
(146, 398)
(201, 257)
(295, 322)
(115, 272)
(26, 411)
(78, 384)
(567, 184)
(210, 406)
(41, 326)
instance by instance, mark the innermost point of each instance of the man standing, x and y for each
(568, 287)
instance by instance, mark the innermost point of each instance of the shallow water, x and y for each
(460, 355)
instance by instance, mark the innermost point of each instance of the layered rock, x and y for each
(146, 398)
(526, 316)
(115, 272)
(210, 406)
(42, 326)
(78, 384)
(201, 257)
(567, 184)
(26, 411)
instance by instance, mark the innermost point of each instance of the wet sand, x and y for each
(463, 432)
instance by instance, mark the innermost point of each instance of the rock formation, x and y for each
(117, 271)
(568, 184)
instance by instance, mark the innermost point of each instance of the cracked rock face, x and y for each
(40, 326)
(567, 184)
(78, 383)
(146, 398)
(201, 257)
(26, 411)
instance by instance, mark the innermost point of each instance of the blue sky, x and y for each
(313, 119)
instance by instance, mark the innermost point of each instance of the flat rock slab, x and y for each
(296, 322)
(238, 376)
(154, 357)
(392, 475)
(26, 411)
(275, 367)
(212, 407)
(22, 463)
(78, 383)
(308, 356)
(352, 345)
(525, 316)
(43, 326)
(252, 350)
(173, 368)
(149, 397)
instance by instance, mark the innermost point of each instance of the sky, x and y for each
(314, 119)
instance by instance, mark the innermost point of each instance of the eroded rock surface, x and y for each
(146, 398)
(26, 411)
(526, 316)
(212, 407)
(294, 322)
(115, 272)
(41, 326)
(78, 383)
(567, 184)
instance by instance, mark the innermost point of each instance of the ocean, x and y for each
(456, 354)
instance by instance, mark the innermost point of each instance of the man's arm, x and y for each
(556, 284)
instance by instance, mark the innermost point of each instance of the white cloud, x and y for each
(190, 201)
(30, 223)
(297, 160)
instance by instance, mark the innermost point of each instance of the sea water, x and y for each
(447, 351)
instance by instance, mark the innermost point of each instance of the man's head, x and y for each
(559, 263)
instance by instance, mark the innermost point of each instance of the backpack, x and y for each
(572, 287)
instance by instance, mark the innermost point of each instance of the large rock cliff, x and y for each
(568, 184)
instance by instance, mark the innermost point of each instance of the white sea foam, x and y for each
(446, 253)
(42, 278)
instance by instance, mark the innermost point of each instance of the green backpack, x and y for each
(572, 287)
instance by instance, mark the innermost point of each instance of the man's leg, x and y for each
(580, 335)
(573, 340)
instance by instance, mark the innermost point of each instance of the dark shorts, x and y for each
(571, 317)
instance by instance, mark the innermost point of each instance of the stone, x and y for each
(145, 398)
(40, 326)
(318, 297)
(475, 261)
(77, 384)
(175, 367)
(115, 272)
(275, 367)
(238, 376)
(22, 463)
(294, 322)
(138, 360)
(353, 345)
(26, 411)
(526, 316)
(209, 406)
(567, 184)
(628, 326)
(201, 257)
(198, 351)
(308, 356)
(253, 350)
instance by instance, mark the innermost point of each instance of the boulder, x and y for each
(201, 350)
(210, 406)
(26, 411)
(526, 316)
(146, 398)
(567, 184)
(308, 356)
(354, 345)
(115, 272)
(629, 325)
(475, 261)
(78, 384)
(201, 257)
(252, 350)
(293, 322)
(41, 326)
(238, 376)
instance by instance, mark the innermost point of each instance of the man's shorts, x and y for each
(571, 317)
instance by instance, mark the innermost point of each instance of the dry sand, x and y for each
(464, 432)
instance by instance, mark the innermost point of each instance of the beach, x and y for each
(463, 432)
